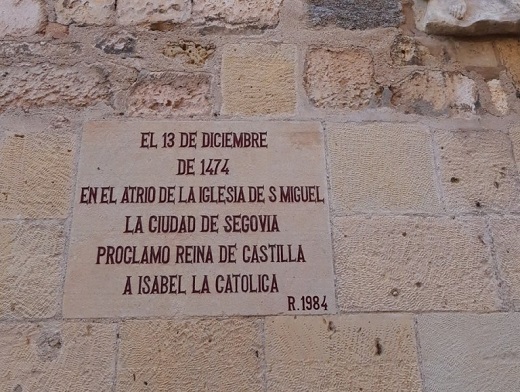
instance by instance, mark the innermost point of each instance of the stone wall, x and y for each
(422, 141)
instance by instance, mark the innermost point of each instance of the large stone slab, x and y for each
(218, 251)
(468, 17)
(469, 352)
(60, 357)
(191, 355)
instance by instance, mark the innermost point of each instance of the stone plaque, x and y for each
(200, 218)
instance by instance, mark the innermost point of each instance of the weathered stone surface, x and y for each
(477, 171)
(408, 51)
(506, 241)
(236, 13)
(340, 78)
(350, 15)
(72, 357)
(190, 52)
(467, 17)
(381, 167)
(16, 52)
(36, 174)
(194, 355)
(171, 93)
(258, 79)
(132, 12)
(413, 264)
(121, 42)
(514, 134)
(47, 85)
(435, 93)
(84, 12)
(469, 352)
(475, 53)
(21, 18)
(341, 353)
(56, 31)
(30, 261)
(498, 96)
(509, 50)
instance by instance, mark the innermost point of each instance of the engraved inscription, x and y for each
(199, 218)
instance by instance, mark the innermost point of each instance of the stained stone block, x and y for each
(413, 264)
(477, 171)
(469, 352)
(381, 167)
(66, 357)
(190, 355)
(36, 174)
(341, 353)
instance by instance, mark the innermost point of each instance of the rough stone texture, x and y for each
(498, 96)
(84, 12)
(470, 352)
(408, 51)
(350, 15)
(131, 12)
(341, 353)
(340, 78)
(506, 241)
(212, 355)
(435, 93)
(475, 53)
(21, 18)
(477, 171)
(171, 93)
(381, 167)
(514, 134)
(236, 13)
(477, 17)
(121, 42)
(47, 85)
(56, 31)
(36, 174)
(413, 264)
(14, 52)
(258, 79)
(72, 357)
(509, 50)
(190, 52)
(30, 261)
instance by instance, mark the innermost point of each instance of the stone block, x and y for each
(381, 167)
(477, 171)
(190, 52)
(506, 241)
(413, 264)
(258, 79)
(66, 357)
(84, 12)
(47, 85)
(133, 12)
(475, 53)
(236, 13)
(21, 18)
(36, 174)
(171, 93)
(408, 51)
(514, 134)
(509, 50)
(498, 96)
(341, 353)
(30, 269)
(121, 42)
(190, 355)
(435, 93)
(340, 78)
(469, 352)
(349, 15)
